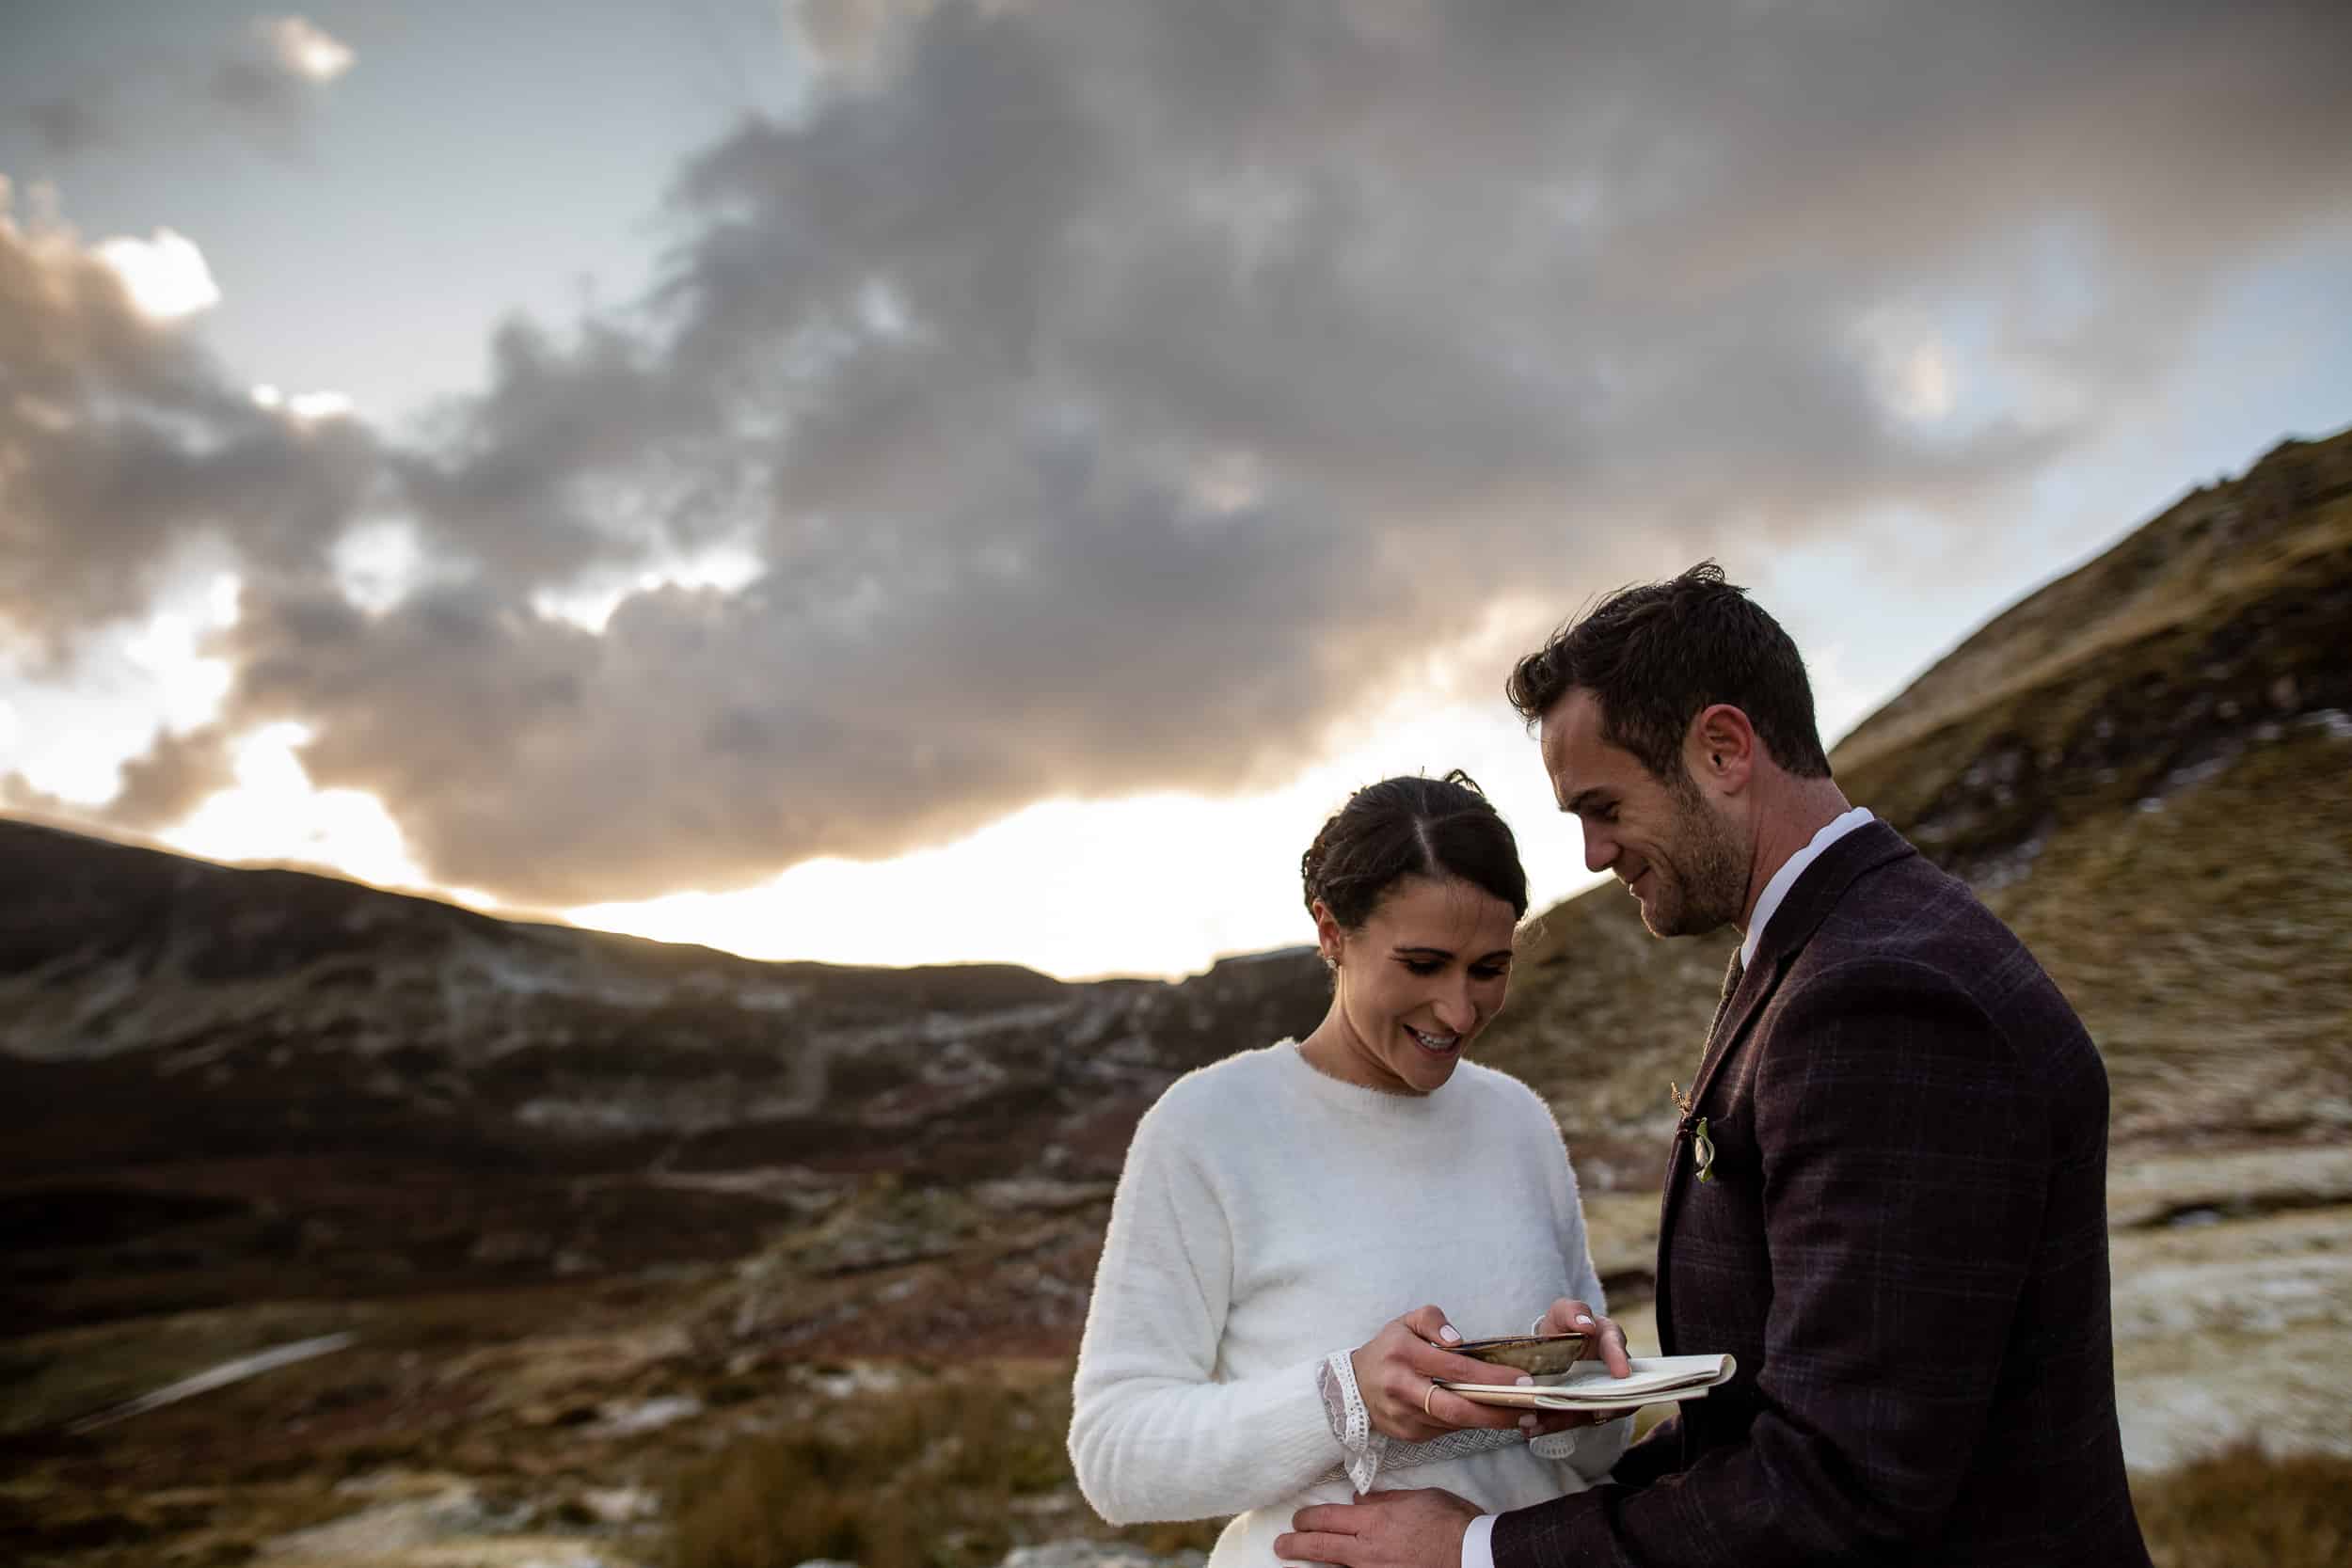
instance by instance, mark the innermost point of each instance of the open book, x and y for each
(1656, 1380)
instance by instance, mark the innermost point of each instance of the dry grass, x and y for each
(2243, 1509)
(952, 1474)
(955, 1474)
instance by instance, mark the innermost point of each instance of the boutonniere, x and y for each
(1702, 1147)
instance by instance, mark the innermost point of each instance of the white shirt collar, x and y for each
(1786, 877)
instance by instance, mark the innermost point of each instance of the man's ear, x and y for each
(1721, 749)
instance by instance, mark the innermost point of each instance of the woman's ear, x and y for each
(1330, 935)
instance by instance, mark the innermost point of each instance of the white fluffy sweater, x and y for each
(1270, 1215)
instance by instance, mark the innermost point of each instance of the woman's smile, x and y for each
(1434, 1043)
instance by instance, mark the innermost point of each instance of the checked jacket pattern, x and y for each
(1904, 1243)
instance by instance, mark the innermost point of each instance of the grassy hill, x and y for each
(2141, 767)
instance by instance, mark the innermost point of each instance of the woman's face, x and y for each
(1415, 984)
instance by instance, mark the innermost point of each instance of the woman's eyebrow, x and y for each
(1499, 954)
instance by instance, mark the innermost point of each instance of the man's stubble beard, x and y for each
(1708, 871)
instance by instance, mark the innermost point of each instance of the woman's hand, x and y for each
(1396, 1373)
(1604, 1342)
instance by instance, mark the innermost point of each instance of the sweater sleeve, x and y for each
(1154, 1434)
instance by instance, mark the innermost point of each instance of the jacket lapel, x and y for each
(1800, 913)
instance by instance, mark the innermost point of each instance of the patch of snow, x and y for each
(218, 1377)
(2011, 865)
(620, 1505)
(647, 1414)
(859, 1378)
(586, 1116)
(2189, 775)
(2334, 722)
(1033, 1192)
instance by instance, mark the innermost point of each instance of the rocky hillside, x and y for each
(215, 1082)
(2142, 768)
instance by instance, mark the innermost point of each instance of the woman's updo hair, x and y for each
(1408, 827)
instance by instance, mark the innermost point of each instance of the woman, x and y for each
(1244, 1351)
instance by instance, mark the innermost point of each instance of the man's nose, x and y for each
(1600, 850)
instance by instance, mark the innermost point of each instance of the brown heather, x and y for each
(2243, 1508)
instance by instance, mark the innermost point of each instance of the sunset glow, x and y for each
(166, 275)
(905, 483)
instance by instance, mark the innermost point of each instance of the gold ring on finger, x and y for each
(1426, 1398)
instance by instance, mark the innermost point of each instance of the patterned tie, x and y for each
(1731, 988)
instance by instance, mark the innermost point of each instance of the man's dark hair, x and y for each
(1407, 827)
(1656, 653)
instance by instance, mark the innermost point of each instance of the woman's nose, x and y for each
(1456, 1011)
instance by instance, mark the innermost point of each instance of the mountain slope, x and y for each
(2142, 766)
(216, 1081)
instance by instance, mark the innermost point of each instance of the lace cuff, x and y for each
(1565, 1444)
(1351, 1423)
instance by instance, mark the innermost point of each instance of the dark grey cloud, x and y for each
(264, 83)
(70, 126)
(121, 443)
(1117, 394)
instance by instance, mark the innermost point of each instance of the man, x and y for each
(1886, 1196)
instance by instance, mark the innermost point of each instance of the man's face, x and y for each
(1670, 847)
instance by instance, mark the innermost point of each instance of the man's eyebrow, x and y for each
(1585, 798)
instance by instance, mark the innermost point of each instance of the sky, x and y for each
(921, 481)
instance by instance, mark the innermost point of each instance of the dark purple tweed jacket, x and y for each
(1905, 1245)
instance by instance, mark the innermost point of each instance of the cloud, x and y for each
(304, 49)
(273, 82)
(305, 407)
(265, 84)
(69, 126)
(166, 276)
(1118, 395)
(124, 445)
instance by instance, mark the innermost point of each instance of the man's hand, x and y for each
(1384, 1529)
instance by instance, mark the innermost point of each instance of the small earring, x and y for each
(1332, 963)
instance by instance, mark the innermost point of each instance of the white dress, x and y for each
(1269, 1220)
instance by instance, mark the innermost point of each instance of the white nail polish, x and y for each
(1449, 1333)
(1583, 1321)
(1525, 1381)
